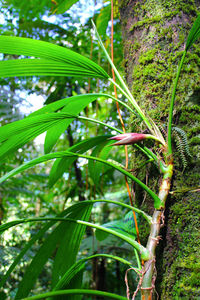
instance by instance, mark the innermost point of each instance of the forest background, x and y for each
(148, 39)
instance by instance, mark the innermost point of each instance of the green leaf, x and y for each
(36, 237)
(79, 265)
(145, 254)
(103, 19)
(77, 292)
(125, 91)
(74, 105)
(62, 165)
(59, 104)
(50, 224)
(157, 201)
(194, 33)
(54, 60)
(43, 67)
(17, 134)
(56, 239)
(63, 6)
(70, 243)
(97, 169)
(125, 226)
(59, 218)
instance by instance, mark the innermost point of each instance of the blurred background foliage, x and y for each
(29, 194)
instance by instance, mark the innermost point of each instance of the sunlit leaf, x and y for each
(63, 6)
(54, 60)
(17, 134)
(103, 19)
(74, 105)
(194, 33)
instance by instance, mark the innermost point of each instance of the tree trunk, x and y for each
(154, 32)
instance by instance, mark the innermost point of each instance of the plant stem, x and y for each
(99, 122)
(137, 259)
(126, 90)
(129, 96)
(153, 240)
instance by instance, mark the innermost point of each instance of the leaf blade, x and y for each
(50, 53)
(194, 33)
(157, 201)
(75, 268)
(74, 105)
(53, 240)
(77, 292)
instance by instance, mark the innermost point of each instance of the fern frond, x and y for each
(181, 145)
(163, 130)
(183, 135)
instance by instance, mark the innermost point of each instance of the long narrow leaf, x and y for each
(51, 223)
(63, 6)
(52, 55)
(76, 292)
(139, 211)
(10, 224)
(53, 107)
(77, 267)
(37, 236)
(17, 127)
(157, 201)
(72, 230)
(42, 67)
(97, 169)
(142, 250)
(70, 244)
(73, 106)
(194, 33)
(17, 134)
(125, 89)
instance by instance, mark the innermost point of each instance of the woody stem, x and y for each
(153, 240)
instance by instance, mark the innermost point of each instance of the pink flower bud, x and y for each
(128, 138)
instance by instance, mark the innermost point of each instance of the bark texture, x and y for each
(154, 32)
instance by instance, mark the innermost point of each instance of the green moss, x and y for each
(153, 78)
(183, 272)
(123, 3)
(195, 140)
(148, 56)
(154, 19)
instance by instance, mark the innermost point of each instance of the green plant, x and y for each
(53, 60)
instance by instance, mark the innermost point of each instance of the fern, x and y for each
(163, 129)
(182, 146)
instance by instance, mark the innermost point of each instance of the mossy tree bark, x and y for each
(154, 32)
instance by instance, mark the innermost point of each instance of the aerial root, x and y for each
(141, 274)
